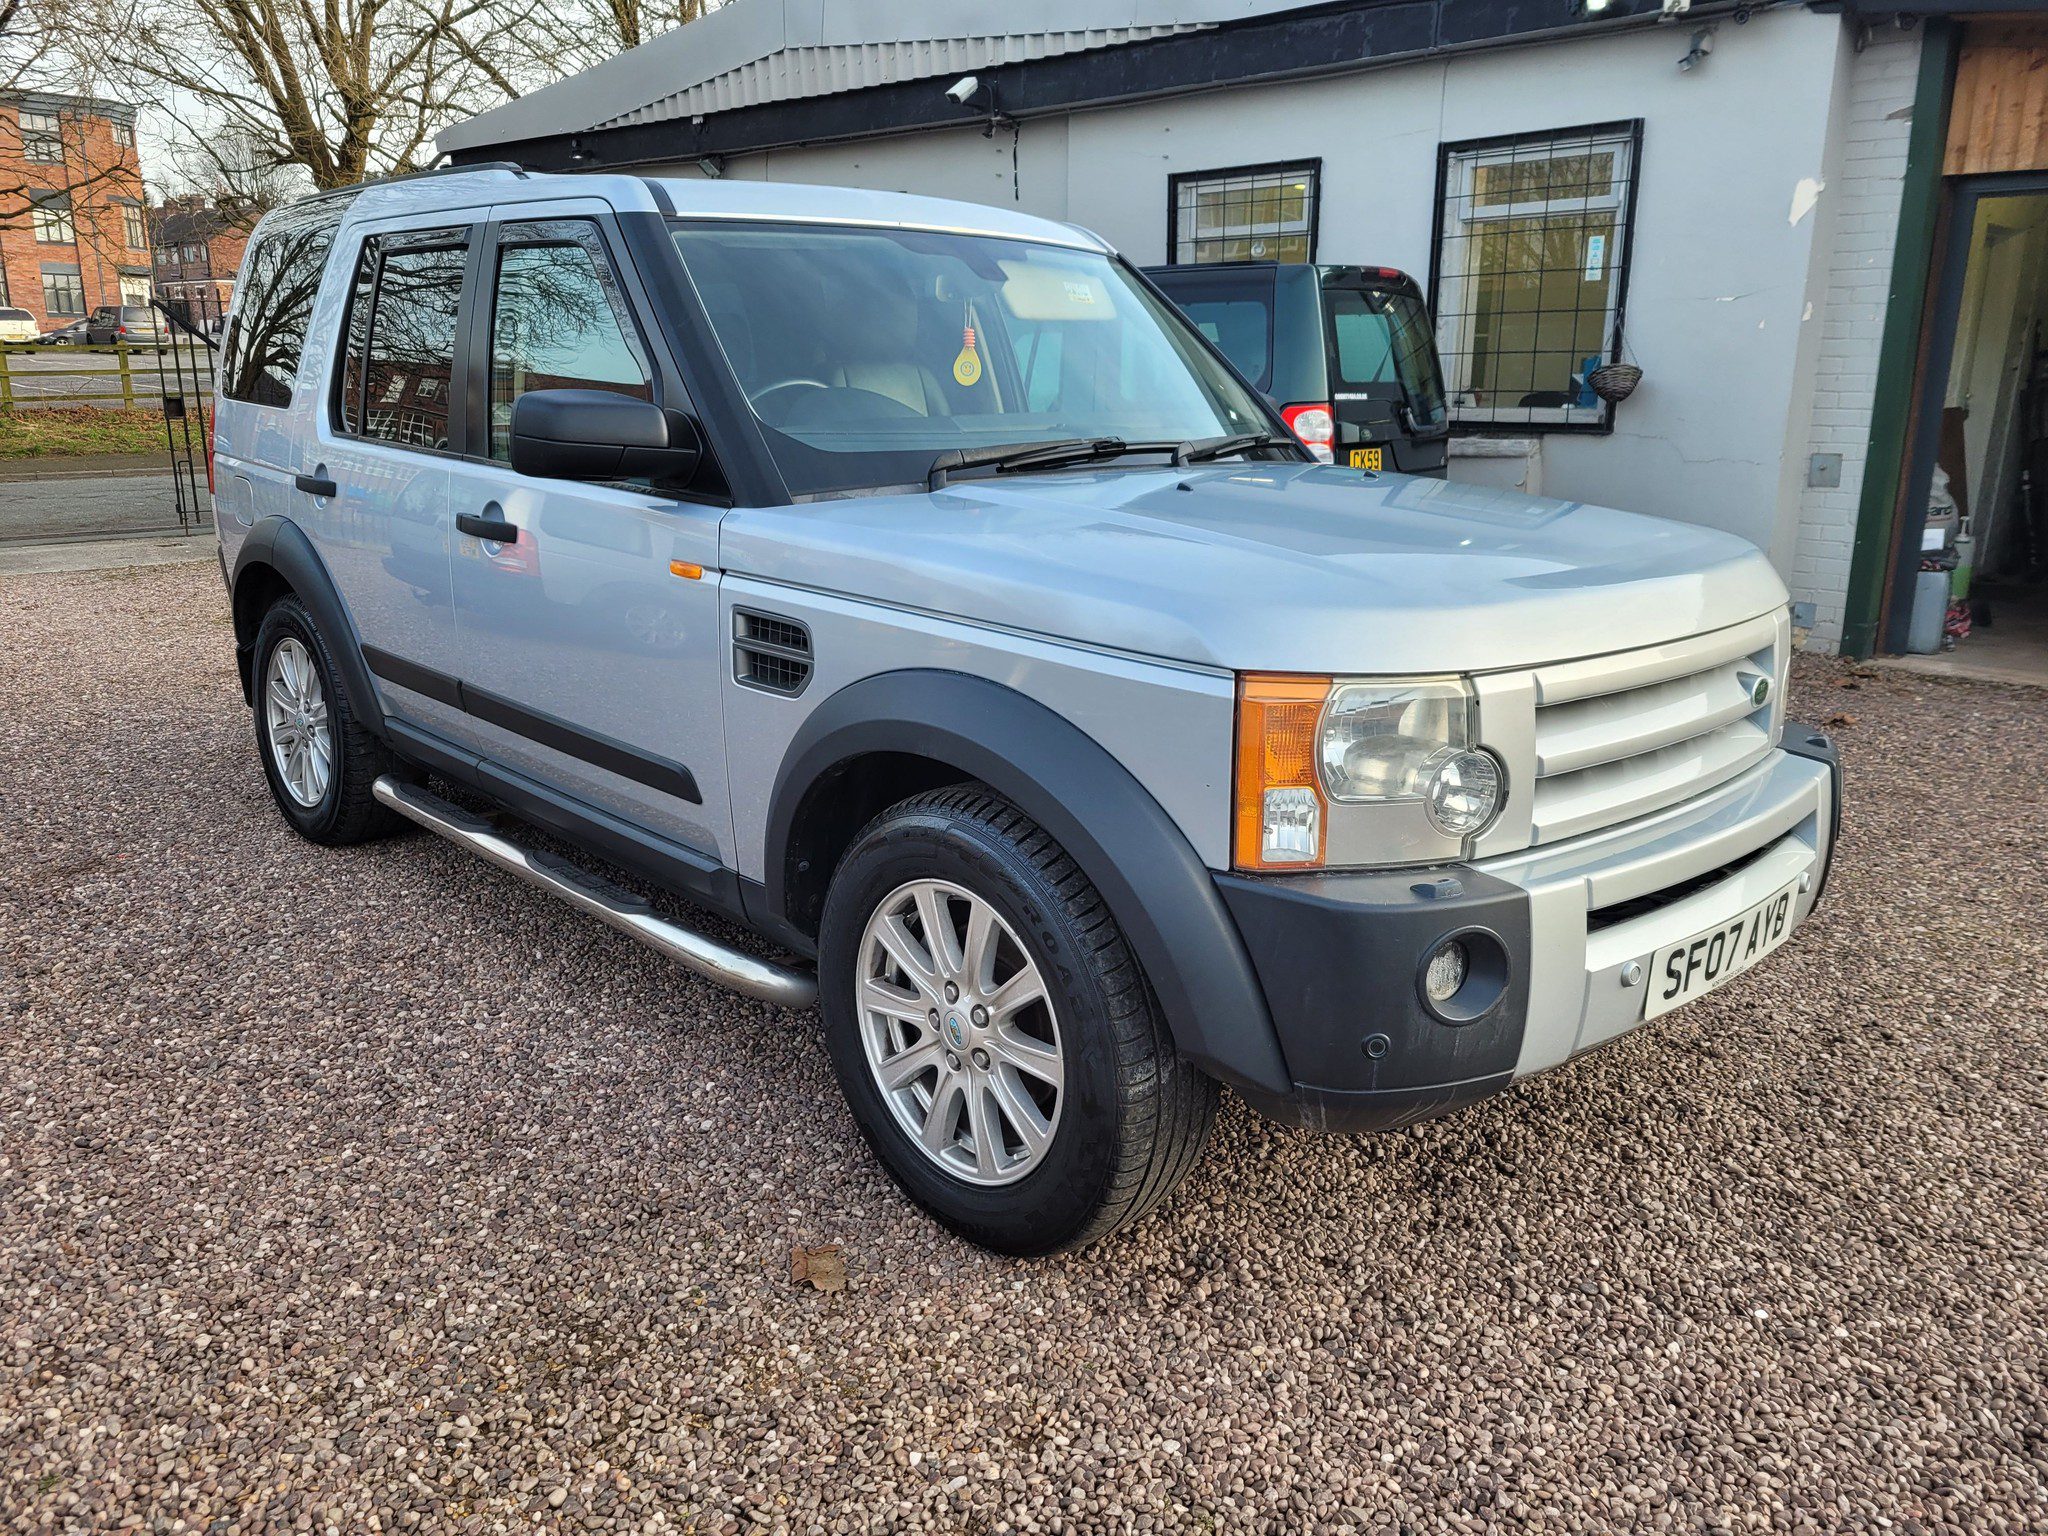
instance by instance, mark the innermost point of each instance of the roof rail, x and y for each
(355, 187)
(450, 170)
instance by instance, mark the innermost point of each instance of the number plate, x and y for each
(1694, 966)
(1367, 458)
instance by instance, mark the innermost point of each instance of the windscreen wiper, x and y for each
(1054, 455)
(1218, 447)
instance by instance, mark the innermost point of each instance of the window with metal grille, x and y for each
(42, 138)
(1529, 275)
(1249, 213)
(50, 215)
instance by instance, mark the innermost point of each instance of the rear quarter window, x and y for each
(280, 280)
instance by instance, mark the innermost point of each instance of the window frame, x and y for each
(466, 237)
(1313, 168)
(1525, 420)
(525, 233)
(57, 208)
(49, 131)
(77, 280)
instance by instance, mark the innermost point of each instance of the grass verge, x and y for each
(57, 431)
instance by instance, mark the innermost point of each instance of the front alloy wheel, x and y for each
(961, 1037)
(993, 1033)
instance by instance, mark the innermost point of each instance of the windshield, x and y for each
(866, 353)
(1385, 348)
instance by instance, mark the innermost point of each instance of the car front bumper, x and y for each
(1340, 956)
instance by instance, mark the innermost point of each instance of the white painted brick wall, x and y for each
(1865, 209)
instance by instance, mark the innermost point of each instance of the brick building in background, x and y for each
(74, 225)
(198, 251)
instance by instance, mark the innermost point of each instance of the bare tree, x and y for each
(552, 41)
(343, 89)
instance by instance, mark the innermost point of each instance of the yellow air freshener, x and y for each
(967, 366)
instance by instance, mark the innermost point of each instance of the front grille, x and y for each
(1623, 735)
(770, 653)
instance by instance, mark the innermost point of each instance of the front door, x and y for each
(590, 647)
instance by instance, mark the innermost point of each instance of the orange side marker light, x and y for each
(686, 570)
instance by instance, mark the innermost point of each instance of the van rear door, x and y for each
(1386, 385)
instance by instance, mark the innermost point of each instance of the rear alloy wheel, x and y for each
(992, 1031)
(295, 708)
(319, 759)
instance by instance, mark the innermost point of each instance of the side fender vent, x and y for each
(770, 653)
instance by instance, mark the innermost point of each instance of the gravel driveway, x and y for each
(360, 1191)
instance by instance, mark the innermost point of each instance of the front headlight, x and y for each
(1359, 772)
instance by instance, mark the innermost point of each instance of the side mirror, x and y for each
(593, 434)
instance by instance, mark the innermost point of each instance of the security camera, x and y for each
(963, 89)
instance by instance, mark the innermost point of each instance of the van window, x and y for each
(1387, 349)
(557, 323)
(280, 280)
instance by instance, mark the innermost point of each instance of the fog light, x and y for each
(1463, 793)
(1445, 973)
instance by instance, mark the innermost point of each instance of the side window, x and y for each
(558, 321)
(398, 361)
(280, 280)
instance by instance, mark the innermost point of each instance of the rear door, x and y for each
(1386, 385)
(373, 481)
(592, 647)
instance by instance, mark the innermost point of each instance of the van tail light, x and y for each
(1315, 426)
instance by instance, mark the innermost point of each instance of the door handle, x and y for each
(316, 485)
(488, 524)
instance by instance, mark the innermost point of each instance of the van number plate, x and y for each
(1685, 970)
(1367, 458)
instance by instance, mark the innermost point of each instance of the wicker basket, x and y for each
(1615, 381)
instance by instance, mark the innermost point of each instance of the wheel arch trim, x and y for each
(279, 545)
(1162, 895)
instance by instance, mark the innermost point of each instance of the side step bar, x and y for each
(729, 967)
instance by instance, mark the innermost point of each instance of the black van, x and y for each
(1347, 353)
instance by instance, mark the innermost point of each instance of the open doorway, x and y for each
(1970, 584)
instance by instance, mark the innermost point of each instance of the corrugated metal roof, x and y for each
(794, 74)
(752, 52)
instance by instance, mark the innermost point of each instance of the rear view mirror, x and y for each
(593, 434)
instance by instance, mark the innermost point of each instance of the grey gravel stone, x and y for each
(362, 1190)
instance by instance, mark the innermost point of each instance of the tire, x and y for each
(1121, 1121)
(343, 811)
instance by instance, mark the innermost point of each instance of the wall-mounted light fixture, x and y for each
(1702, 45)
(712, 166)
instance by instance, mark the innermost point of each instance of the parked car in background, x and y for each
(133, 324)
(17, 325)
(76, 334)
(1347, 353)
(908, 583)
